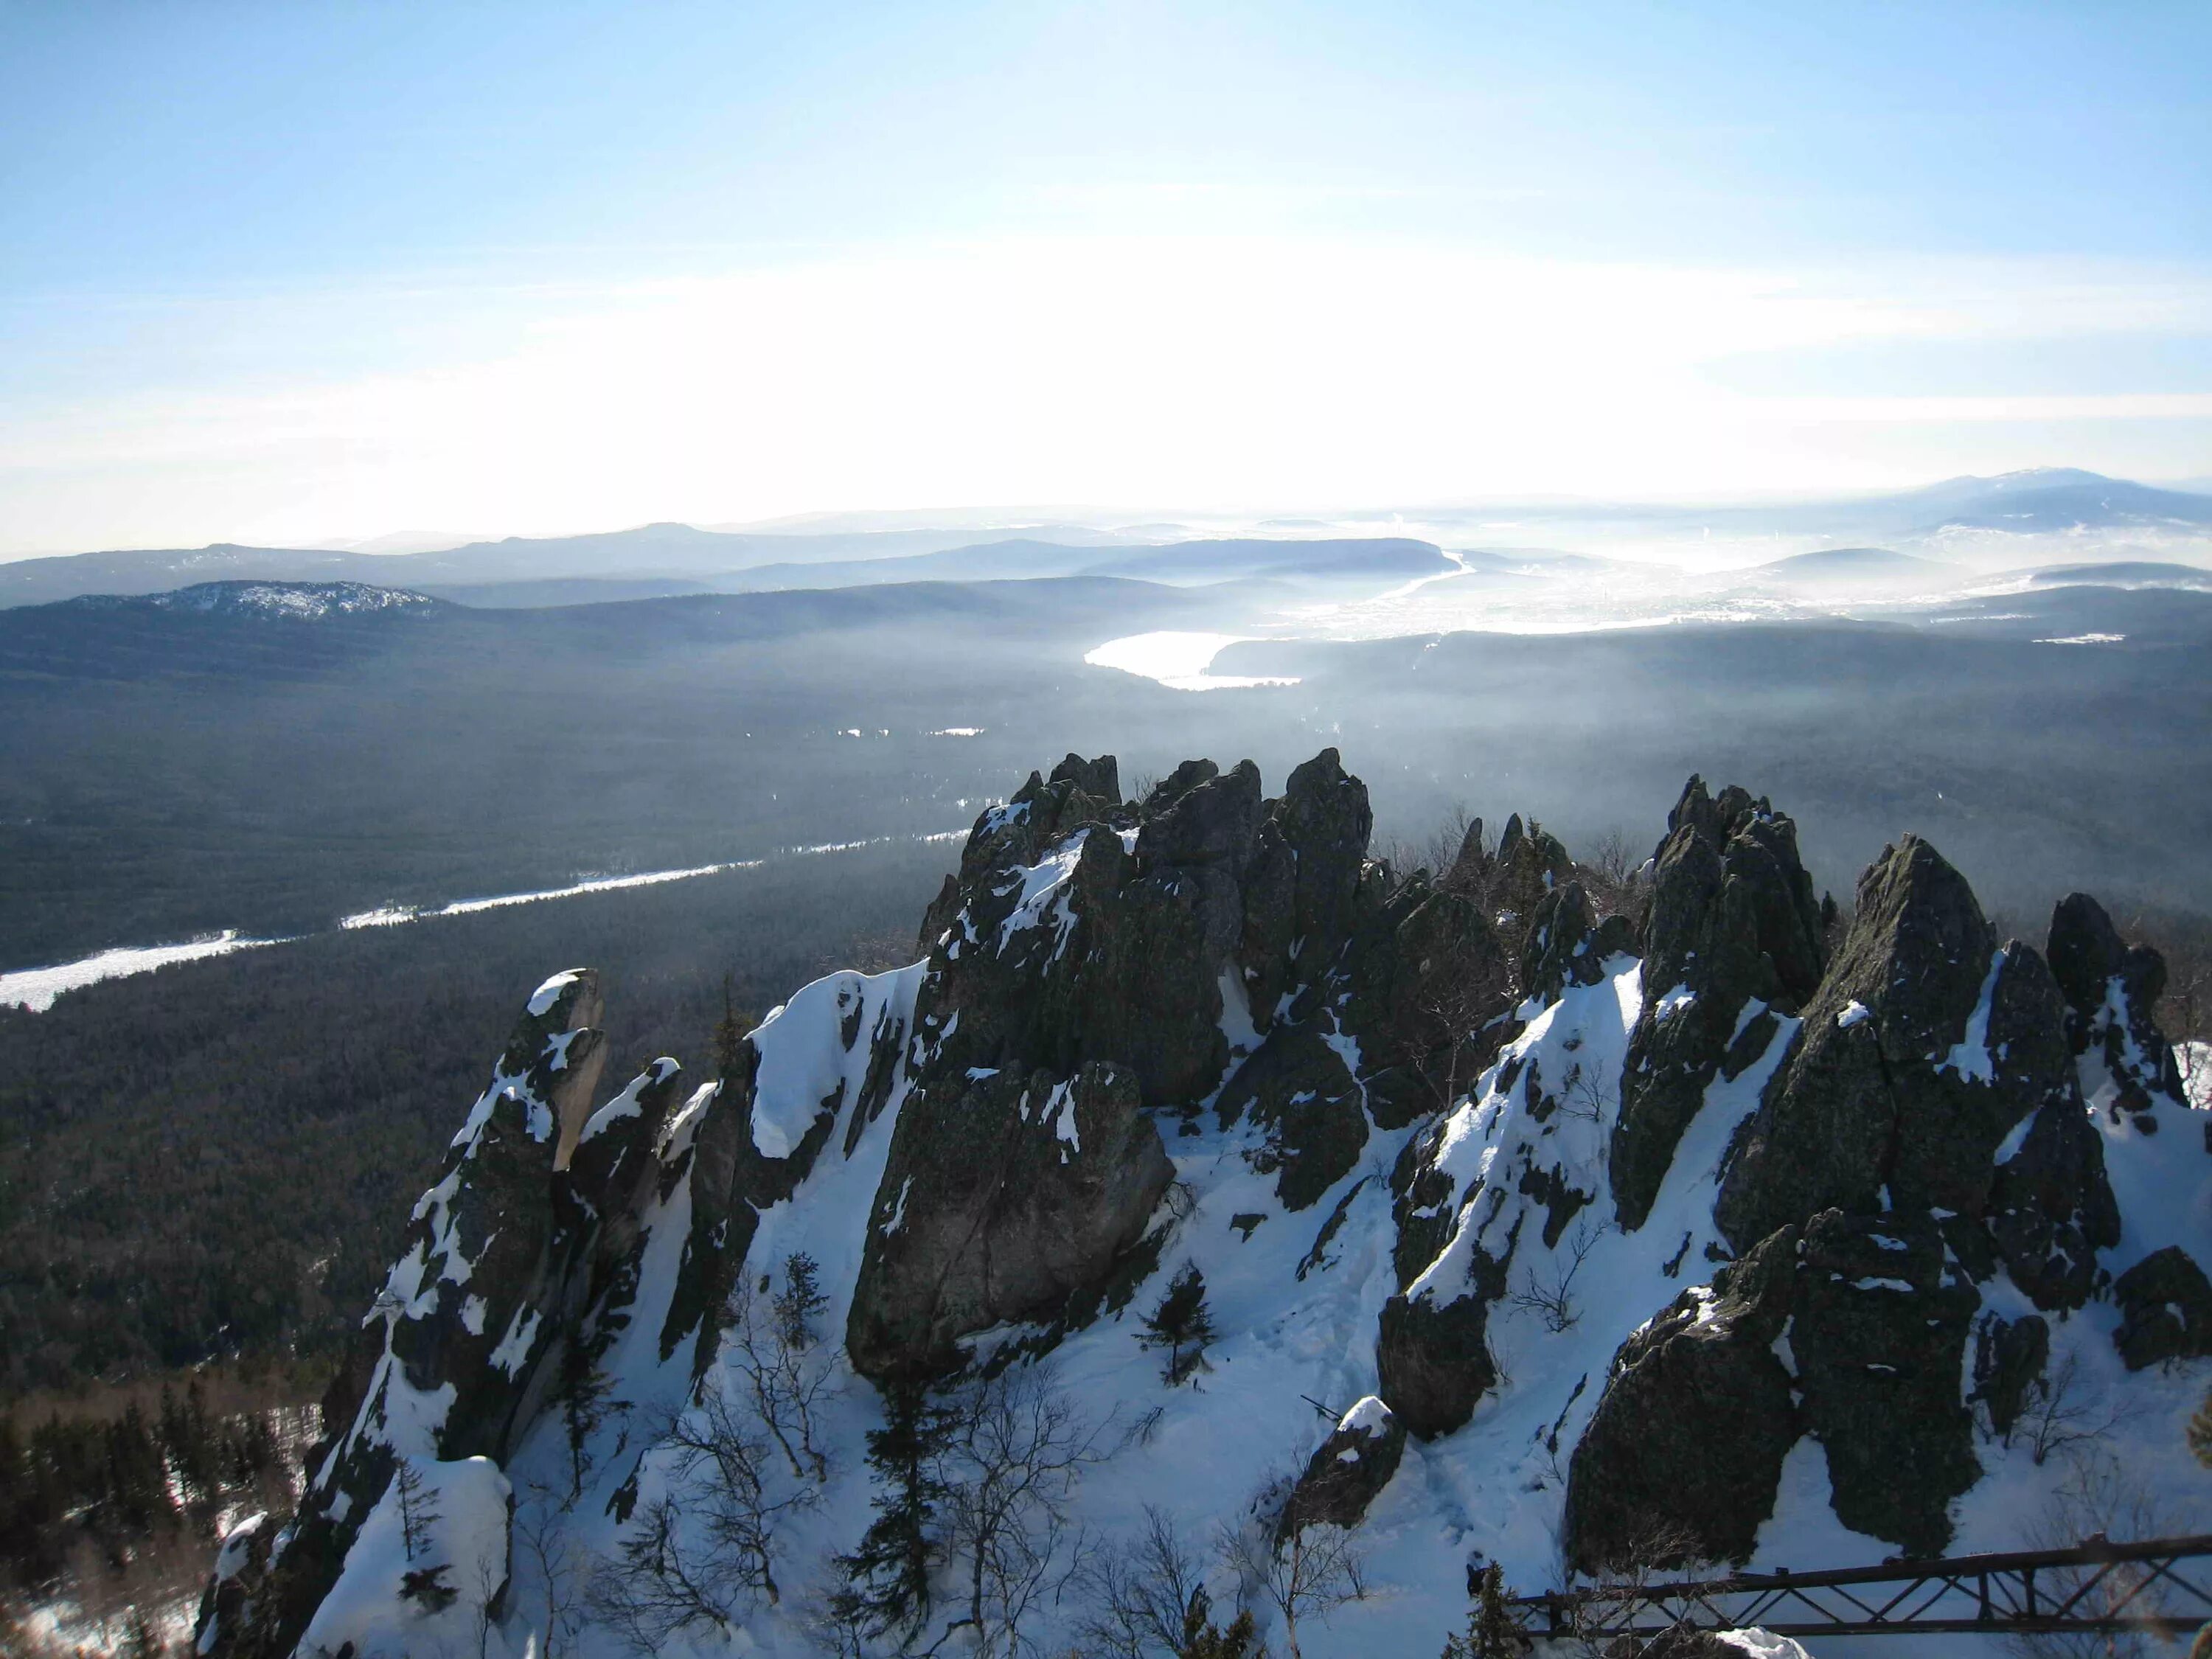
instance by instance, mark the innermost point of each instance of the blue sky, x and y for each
(299, 272)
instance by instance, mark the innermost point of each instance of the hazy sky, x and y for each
(291, 272)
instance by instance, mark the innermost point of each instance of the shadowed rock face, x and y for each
(1004, 1195)
(2051, 1208)
(1434, 1359)
(1733, 924)
(1091, 944)
(1682, 1459)
(1568, 943)
(1347, 1471)
(2166, 1309)
(2110, 988)
(1880, 1340)
(1924, 1047)
(1300, 1089)
(2009, 1357)
(522, 1239)
(1651, 1483)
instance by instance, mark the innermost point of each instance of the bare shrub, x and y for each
(1547, 1291)
(704, 1552)
(1141, 1595)
(785, 1368)
(1017, 1449)
(1306, 1573)
(560, 1566)
(2056, 1416)
(2100, 1498)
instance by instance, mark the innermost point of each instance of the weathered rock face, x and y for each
(1880, 1341)
(1110, 948)
(2051, 1208)
(1347, 1471)
(2110, 988)
(1299, 1088)
(1434, 1358)
(2009, 1357)
(1652, 1483)
(1682, 1459)
(1302, 883)
(508, 1256)
(1005, 1194)
(1923, 1049)
(2166, 1309)
(1426, 975)
(1568, 943)
(1733, 924)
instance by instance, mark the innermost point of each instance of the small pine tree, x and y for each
(417, 1512)
(886, 1584)
(1491, 1632)
(584, 1405)
(1204, 1639)
(2200, 1431)
(1182, 1325)
(799, 1302)
(730, 1031)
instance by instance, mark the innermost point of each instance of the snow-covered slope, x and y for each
(622, 1389)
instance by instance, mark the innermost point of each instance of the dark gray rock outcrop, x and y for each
(2009, 1357)
(1302, 882)
(2166, 1309)
(1733, 922)
(1434, 1358)
(1347, 1471)
(1298, 1087)
(510, 1260)
(1004, 1195)
(1426, 977)
(2111, 989)
(1879, 1338)
(1568, 943)
(1924, 1047)
(1681, 1459)
(2051, 1207)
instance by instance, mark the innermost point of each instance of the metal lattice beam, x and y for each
(2097, 1585)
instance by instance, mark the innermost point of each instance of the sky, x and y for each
(291, 275)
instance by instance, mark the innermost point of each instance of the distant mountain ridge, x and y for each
(665, 557)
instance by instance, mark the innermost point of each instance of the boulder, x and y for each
(1005, 1194)
(1682, 1457)
(1347, 1471)
(1433, 1358)
(1924, 1046)
(1733, 924)
(1880, 1340)
(2166, 1309)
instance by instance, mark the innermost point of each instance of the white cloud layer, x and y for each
(1170, 373)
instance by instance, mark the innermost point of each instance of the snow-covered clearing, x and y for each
(35, 988)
